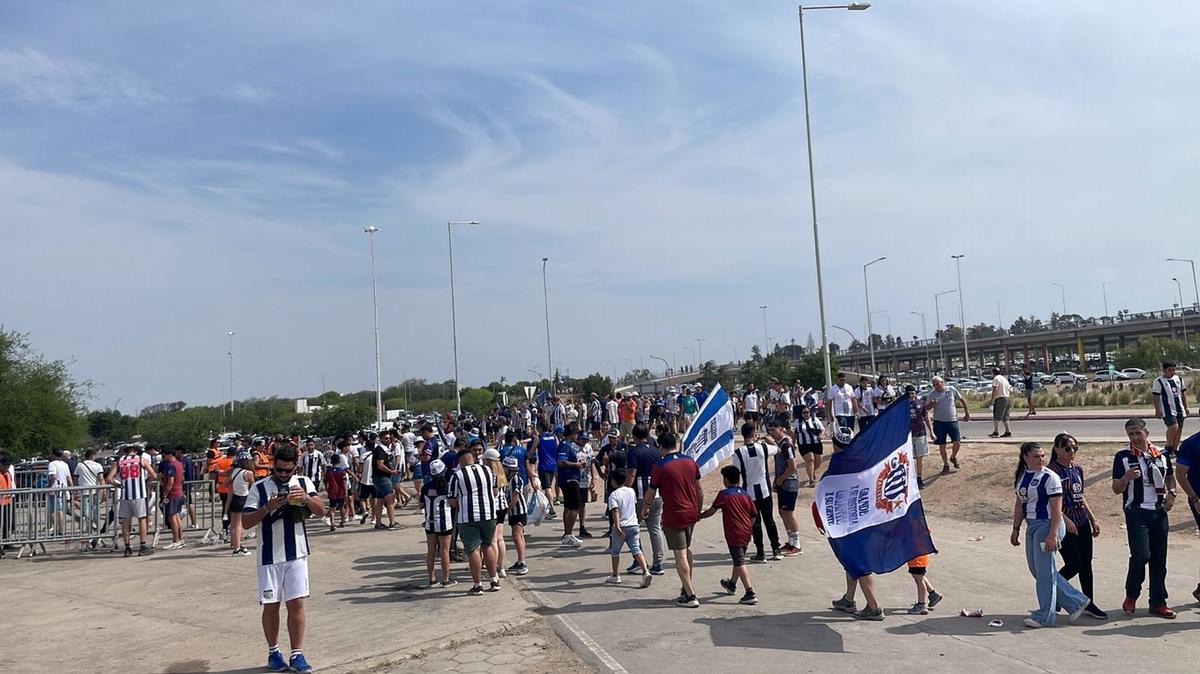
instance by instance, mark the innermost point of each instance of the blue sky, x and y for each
(172, 171)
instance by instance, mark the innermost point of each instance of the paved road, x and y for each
(1044, 428)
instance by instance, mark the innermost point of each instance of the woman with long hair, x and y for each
(1080, 521)
(491, 459)
(1038, 503)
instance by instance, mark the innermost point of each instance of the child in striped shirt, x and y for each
(439, 522)
(517, 505)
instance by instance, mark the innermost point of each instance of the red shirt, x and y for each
(173, 468)
(675, 477)
(335, 483)
(737, 514)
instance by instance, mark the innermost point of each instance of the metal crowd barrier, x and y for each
(31, 518)
(85, 517)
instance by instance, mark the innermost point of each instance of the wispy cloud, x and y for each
(30, 76)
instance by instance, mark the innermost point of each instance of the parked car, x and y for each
(1134, 373)
(1105, 375)
(1043, 378)
(1067, 378)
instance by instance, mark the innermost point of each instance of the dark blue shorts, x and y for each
(944, 429)
(1171, 420)
(787, 500)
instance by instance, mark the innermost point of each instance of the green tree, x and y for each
(342, 419)
(111, 425)
(477, 401)
(190, 427)
(1149, 353)
(594, 383)
(41, 405)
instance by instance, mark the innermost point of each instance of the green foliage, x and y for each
(349, 416)
(190, 427)
(1148, 353)
(111, 425)
(593, 383)
(810, 370)
(477, 401)
(40, 404)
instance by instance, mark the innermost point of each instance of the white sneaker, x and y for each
(171, 546)
(612, 580)
(502, 573)
(646, 578)
(1033, 624)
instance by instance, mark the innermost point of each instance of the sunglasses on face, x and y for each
(279, 470)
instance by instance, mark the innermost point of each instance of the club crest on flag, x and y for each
(709, 439)
(891, 488)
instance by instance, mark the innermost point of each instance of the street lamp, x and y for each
(937, 315)
(1063, 296)
(453, 312)
(370, 232)
(1195, 287)
(1179, 287)
(1104, 289)
(812, 186)
(962, 314)
(546, 302)
(700, 350)
(614, 370)
(693, 352)
(666, 365)
(924, 334)
(765, 340)
(867, 293)
(230, 335)
(536, 372)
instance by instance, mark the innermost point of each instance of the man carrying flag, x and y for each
(869, 505)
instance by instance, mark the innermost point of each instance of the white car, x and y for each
(1134, 373)
(1105, 375)
(1067, 378)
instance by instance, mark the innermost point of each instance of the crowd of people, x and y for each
(479, 483)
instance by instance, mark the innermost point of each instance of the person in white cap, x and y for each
(439, 522)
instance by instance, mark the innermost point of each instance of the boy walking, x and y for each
(737, 517)
(927, 597)
(622, 513)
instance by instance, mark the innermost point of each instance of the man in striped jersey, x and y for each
(312, 463)
(473, 493)
(130, 472)
(751, 460)
(278, 506)
(1145, 478)
(1170, 404)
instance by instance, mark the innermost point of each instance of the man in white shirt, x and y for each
(752, 460)
(864, 403)
(59, 475)
(1001, 394)
(750, 406)
(840, 409)
(1170, 404)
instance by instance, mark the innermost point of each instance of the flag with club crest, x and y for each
(709, 439)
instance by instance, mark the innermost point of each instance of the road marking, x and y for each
(597, 650)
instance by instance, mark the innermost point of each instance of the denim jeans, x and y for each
(1147, 533)
(1052, 589)
(653, 523)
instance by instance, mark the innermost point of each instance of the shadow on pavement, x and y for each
(805, 631)
(646, 602)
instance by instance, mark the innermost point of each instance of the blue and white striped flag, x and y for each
(709, 440)
(868, 502)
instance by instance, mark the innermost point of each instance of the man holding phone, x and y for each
(278, 505)
(1145, 478)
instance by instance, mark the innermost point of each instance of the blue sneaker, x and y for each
(275, 662)
(299, 664)
(656, 570)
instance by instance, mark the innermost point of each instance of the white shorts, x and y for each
(284, 581)
(920, 445)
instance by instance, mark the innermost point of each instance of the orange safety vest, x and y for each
(262, 465)
(221, 466)
(5, 483)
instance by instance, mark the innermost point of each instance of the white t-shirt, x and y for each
(866, 401)
(611, 408)
(1001, 385)
(410, 442)
(841, 397)
(59, 472)
(751, 402)
(623, 500)
(87, 473)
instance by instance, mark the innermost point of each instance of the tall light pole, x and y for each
(546, 302)
(1063, 296)
(924, 334)
(1195, 287)
(370, 232)
(812, 186)
(962, 314)
(937, 314)
(1104, 289)
(765, 340)
(693, 352)
(614, 370)
(999, 318)
(454, 313)
(1179, 287)
(700, 350)
(666, 365)
(230, 335)
(870, 330)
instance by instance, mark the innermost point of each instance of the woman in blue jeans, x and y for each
(1039, 504)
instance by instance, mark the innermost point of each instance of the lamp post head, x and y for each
(371, 229)
(231, 333)
(858, 6)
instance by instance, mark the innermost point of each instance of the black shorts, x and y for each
(738, 554)
(336, 503)
(571, 495)
(501, 515)
(787, 500)
(817, 449)
(516, 520)
(917, 570)
(546, 477)
(236, 503)
(594, 425)
(1172, 420)
(365, 492)
(752, 416)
